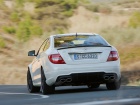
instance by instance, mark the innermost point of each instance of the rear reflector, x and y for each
(113, 56)
(56, 59)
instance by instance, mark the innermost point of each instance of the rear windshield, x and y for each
(79, 40)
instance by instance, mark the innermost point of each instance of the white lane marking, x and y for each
(106, 102)
(40, 96)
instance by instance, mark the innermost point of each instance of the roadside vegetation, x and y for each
(27, 22)
(119, 23)
(43, 16)
(116, 22)
(2, 43)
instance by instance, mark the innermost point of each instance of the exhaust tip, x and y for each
(69, 79)
(106, 77)
(63, 80)
(112, 78)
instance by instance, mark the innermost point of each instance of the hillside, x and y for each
(25, 23)
(113, 20)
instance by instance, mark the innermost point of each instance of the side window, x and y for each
(47, 45)
(42, 47)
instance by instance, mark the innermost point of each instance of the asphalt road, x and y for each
(79, 95)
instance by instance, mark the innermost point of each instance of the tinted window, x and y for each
(41, 48)
(44, 46)
(47, 45)
(82, 40)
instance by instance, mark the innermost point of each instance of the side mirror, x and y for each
(31, 53)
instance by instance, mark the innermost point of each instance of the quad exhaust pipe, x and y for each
(62, 80)
(66, 80)
(107, 77)
(112, 78)
(69, 80)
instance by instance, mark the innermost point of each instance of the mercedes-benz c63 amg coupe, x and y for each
(72, 60)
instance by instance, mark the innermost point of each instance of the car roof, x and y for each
(70, 34)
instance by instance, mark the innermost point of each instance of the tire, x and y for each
(113, 85)
(30, 86)
(93, 86)
(45, 89)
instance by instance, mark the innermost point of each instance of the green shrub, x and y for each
(9, 29)
(53, 13)
(28, 28)
(19, 3)
(23, 32)
(60, 31)
(1, 1)
(2, 42)
(55, 8)
(99, 8)
(2, 5)
(49, 11)
(134, 20)
(36, 30)
(44, 3)
(68, 13)
(69, 4)
(15, 17)
(93, 7)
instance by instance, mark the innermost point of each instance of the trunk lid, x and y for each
(85, 55)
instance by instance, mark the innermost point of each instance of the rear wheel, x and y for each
(30, 86)
(46, 89)
(113, 85)
(93, 86)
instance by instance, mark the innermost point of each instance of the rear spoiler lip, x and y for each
(80, 46)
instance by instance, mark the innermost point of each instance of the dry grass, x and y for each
(87, 21)
(12, 75)
(14, 64)
(131, 77)
(114, 28)
(130, 56)
(12, 69)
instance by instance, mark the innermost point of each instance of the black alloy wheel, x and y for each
(113, 85)
(45, 89)
(30, 86)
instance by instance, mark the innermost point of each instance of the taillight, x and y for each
(113, 56)
(56, 59)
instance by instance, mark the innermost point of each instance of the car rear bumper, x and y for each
(86, 78)
(86, 73)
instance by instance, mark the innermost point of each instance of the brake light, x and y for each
(113, 56)
(56, 59)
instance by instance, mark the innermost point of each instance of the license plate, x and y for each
(86, 56)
